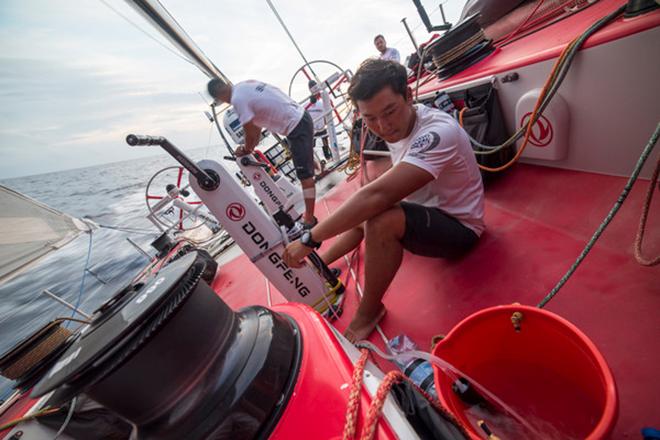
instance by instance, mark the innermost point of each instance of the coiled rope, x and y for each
(375, 409)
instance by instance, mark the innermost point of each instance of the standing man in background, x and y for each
(263, 106)
(386, 53)
(317, 112)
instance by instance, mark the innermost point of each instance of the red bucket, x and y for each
(548, 372)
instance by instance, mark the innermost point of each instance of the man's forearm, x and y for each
(362, 206)
(252, 134)
(373, 199)
(250, 142)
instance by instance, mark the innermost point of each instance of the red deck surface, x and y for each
(538, 221)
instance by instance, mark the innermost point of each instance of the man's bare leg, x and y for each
(309, 194)
(384, 252)
(345, 243)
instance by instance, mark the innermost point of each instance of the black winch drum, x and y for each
(177, 362)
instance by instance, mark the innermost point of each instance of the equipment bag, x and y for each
(484, 122)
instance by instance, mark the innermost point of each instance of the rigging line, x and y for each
(82, 281)
(222, 135)
(272, 7)
(622, 197)
(131, 230)
(208, 146)
(146, 33)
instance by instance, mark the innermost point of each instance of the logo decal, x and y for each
(235, 212)
(542, 131)
(423, 144)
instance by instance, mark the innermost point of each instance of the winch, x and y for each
(174, 360)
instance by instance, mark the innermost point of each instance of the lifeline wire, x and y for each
(622, 197)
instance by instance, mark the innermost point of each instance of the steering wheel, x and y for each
(162, 186)
(338, 91)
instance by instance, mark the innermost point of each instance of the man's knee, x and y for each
(389, 223)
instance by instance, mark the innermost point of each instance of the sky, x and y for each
(77, 76)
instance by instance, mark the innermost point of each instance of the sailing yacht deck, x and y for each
(538, 221)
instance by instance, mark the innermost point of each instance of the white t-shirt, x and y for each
(266, 106)
(316, 111)
(391, 54)
(438, 145)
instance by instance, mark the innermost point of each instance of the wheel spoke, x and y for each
(178, 179)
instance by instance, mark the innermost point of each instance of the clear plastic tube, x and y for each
(454, 374)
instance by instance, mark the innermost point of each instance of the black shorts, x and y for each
(432, 233)
(301, 143)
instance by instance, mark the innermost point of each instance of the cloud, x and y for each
(75, 78)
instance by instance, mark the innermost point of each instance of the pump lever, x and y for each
(246, 161)
(207, 179)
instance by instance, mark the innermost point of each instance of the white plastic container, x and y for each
(549, 137)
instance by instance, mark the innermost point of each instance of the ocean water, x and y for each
(112, 195)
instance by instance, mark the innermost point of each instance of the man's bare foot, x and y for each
(362, 326)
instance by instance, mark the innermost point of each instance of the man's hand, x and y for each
(241, 150)
(294, 254)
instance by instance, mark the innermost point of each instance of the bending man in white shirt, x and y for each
(263, 106)
(431, 202)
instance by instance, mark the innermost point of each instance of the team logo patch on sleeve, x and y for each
(423, 144)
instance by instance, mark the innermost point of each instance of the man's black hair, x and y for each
(377, 37)
(375, 74)
(214, 86)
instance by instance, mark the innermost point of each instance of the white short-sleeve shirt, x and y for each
(265, 106)
(391, 54)
(316, 111)
(438, 145)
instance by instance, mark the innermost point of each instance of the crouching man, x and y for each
(431, 202)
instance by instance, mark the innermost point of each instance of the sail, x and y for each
(30, 230)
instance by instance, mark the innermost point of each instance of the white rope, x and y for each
(268, 297)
